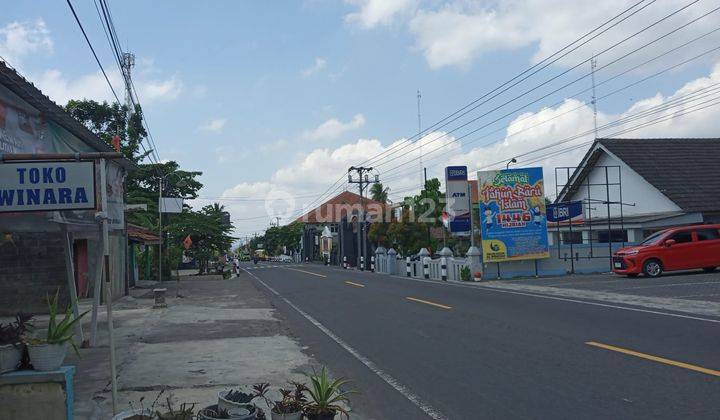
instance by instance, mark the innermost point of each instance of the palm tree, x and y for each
(379, 193)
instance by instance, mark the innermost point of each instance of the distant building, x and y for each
(340, 216)
(633, 187)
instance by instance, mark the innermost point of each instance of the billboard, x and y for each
(564, 213)
(457, 201)
(512, 215)
(47, 186)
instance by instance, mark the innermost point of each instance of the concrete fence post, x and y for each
(426, 267)
(345, 262)
(362, 263)
(443, 268)
(407, 266)
(391, 261)
(372, 263)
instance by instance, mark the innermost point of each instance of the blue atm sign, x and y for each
(47, 186)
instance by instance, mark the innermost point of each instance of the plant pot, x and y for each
(130, 414)
(325, 415)
(10, 356)
(232, 405)
(47, 356)
(236, 413)
(286, 416)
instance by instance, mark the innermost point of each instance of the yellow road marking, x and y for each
(654, 358)
(306, 272)
(428, 302)
(355, 284)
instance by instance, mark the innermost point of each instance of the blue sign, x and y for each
(512, 215)
(456, 173)
(562, 212)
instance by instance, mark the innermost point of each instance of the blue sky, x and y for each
(281, 97)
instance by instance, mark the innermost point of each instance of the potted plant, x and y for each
(48, 353)
(184, 412)
(215, 412)
(236, 399)
(290, 407)
(465, 273)
(139, 413)
(11, 346)
(325, 396)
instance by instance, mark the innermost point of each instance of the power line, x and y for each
(644, 79)
(517, 79)
(537, 68)
(102, 69)
(565, 72)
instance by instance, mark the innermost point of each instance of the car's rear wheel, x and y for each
(709, 269)
(652, 268)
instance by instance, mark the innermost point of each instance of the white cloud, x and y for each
(215, 125)
(160, 90)
(399, 169)
(320, 63)
(21, 39)
(455, 33)
(373, 13)
(334, 128)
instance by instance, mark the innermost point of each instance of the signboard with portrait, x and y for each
(457, 201)
(512, 214)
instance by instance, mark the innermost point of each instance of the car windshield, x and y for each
(652, 238)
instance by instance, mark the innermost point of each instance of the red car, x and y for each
(680, 248)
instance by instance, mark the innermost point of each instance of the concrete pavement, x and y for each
(418, 349)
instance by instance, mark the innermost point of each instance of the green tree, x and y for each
(379, 193)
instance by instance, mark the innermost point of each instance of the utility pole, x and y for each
(593, 65)
(363, 181)
(128, 62)
(420, 136)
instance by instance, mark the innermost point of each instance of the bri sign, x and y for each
(47, 186)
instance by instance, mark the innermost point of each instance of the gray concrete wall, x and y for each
(32, 265)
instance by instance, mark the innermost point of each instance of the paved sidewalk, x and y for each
(221, 334)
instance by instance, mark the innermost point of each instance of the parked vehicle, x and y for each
(680, 248)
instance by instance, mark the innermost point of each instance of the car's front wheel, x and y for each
(652, 268)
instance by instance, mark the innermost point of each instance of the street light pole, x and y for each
(513, 160)
(160, 181)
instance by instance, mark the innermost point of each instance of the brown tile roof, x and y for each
(142, 235)
(333, 210)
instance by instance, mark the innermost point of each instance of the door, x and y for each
(708, 247)
(682, 254)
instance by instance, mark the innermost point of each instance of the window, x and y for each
(615, 236)
(681, 237)
(708, 234)
(572, 237)
(652, 238)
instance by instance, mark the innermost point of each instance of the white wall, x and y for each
(635, 190)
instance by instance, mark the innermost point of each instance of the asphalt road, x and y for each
(417, 349)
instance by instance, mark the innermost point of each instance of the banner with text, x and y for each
(47, 186)
(512, 214)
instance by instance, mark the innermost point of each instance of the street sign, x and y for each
(571, 211)
(171, 204)
(457, 202)
(187, 243)
(47, 186)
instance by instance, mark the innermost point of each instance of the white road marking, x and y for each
(402, 389)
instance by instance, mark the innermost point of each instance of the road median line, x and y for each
(427, 302)
(354, 284)
(654, 358)
(306, 272)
